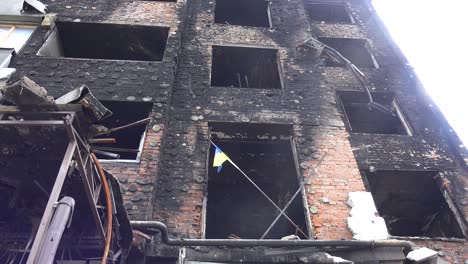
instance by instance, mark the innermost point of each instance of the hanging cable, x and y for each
(109, 208)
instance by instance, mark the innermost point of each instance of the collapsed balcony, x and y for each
(50, 180)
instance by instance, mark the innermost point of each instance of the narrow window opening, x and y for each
(364, 118)
(106, 41)
(245, 68)
(412, 204)
(332, 13)
(129, 140)
(355, 50)
(252, 13)
(235, 208)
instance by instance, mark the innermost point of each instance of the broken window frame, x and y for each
(345, 5)
(141, 143)
(301, 182)
(138, 157)
(458, 217)
(269, 14)
(395, 105)
(270, 22)
(300, 179)
(5, 57)
(278, 64)
(18, 22)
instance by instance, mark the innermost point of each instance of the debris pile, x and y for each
(48, 157)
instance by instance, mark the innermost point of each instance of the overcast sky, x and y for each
(434, 37)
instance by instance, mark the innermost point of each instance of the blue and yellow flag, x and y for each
(219, 158)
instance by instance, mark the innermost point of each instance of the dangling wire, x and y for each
(337, 56)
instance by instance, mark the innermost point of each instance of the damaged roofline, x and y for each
(409, 246)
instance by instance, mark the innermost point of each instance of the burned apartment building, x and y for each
(336, 152)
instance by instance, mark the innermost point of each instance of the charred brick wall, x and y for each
(330, 173)
(326, 150)
(170, 182)
(304, 100)
(181, 181)
(137, 179)
(116, 80)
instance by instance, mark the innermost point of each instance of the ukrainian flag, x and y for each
(219, 158)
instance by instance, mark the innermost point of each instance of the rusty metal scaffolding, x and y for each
(77, 150)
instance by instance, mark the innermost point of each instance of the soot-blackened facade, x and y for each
(243, 83)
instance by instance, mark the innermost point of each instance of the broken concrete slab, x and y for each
(421, 254)
(92, 106)
(26, 92)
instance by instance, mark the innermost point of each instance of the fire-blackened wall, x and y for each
(170, 181)
(329, 156)
(116, 80)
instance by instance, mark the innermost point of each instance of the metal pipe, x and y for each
(105, 153)
(116, 149)
(267, 242)
(61, 218)
(143, 121)
(101, 140)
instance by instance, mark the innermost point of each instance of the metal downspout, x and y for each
(267, 242)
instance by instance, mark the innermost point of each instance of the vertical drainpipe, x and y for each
(60, 220)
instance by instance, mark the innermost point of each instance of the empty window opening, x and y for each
(253, 13)
(333, 13)
(355, 50)
(129, 141)
(245, 68)
(362, 117)
(412, 204)
(106, 41)
(235, 208)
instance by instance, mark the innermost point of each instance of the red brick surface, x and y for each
(137, 179)
(333, 174)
